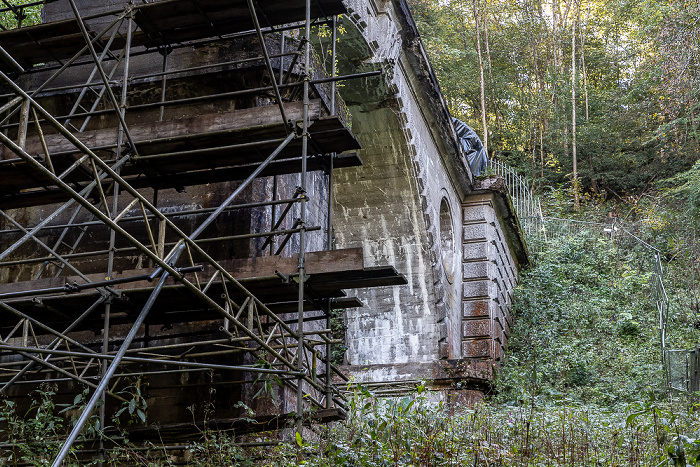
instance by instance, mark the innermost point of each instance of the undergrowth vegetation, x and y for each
(415, 431)
(582, 386)
(586, 327)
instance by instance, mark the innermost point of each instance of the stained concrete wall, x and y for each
(391, 207)
(412, 205)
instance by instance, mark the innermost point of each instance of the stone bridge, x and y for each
(189, 190)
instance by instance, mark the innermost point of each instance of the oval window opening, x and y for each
(447, 241)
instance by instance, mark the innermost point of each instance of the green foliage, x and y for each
(36, 435)
(20, 16)
(217, 449)
(685, 189)
(585, 325)
(671, 223)
(637, 86)
(675, 432)
(338, 330)
(419, 429)
(134, 405)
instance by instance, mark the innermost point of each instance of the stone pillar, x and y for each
(489, 276)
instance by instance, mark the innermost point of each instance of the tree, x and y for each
(575, 181)
(485, 136)
(633, 64)
(16, 15)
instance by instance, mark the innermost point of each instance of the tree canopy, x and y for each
(630, 69)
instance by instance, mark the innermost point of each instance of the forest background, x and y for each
(597, 95)
(594, 102)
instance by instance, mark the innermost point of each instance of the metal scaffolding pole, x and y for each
(268, 64)
(302, 217)
(223, 95)
(97, 394)
(329, 239)
(183, 213)
(56, 342)
(101, 187)
(105, 80)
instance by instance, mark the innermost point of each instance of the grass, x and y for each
(582, 386)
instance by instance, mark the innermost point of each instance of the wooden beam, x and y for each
(167, 132)
(16, 191)
(317, 262)
(163, 22)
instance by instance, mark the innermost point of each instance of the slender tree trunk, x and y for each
(555, 32)
(494, 102)
(535, 129)
(539, 84)
(584, 71)
(541, 150)
(485, 138)
(558, 27)
(542, 63)
(573, 114)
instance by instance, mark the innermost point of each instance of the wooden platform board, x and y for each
(208, 158)
(173, 21)
(50, 195)
(160, 23)
(42, 43)
(330, 272)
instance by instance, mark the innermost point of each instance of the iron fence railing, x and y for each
(527, 206)
(684, 369)
(554, 228)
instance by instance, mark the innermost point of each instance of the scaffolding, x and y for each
(97, 131)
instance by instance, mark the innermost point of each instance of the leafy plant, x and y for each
(36, 435)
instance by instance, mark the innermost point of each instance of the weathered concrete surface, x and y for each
(489, 275)
(408, 174)
(411, 205)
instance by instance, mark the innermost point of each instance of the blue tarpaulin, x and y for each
(472, 145)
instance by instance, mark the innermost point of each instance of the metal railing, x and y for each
(684, 369)
(527, 206)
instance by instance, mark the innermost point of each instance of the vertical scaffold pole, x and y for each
(302, 218)
(329, 387)
(115, 206)
(104, 382)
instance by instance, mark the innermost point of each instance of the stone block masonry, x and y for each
(489, 275)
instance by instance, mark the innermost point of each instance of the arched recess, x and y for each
(447, 241)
